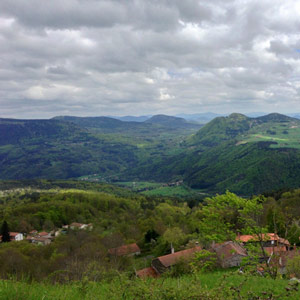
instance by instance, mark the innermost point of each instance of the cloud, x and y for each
(145, 57)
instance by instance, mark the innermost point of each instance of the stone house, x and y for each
(229, 254)
(163, 263)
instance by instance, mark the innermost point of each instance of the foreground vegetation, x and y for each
(76, 266)
(212, 286)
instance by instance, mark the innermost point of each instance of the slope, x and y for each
(244, 155)
(57, 149)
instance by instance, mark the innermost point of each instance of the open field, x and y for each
(285, 136)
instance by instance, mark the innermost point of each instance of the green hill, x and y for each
(244, 155)
(68, 147)
(57, 149)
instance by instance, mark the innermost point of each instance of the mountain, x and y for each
(68, 147)
(244, 155)
(104, 123)
(169, 121)
(58, 149)
(200, 117)
(13, 131)
(221, 129)
(132, 118)
(112, 124)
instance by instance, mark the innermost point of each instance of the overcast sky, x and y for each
(123, 57)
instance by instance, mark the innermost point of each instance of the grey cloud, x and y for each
(142, 57)
(158, 15)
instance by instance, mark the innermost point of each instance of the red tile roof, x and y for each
(43, 233)
(147, 272)
(14, 234)
(229, 249)
(265, 237)
(124, 250)
(171, 259)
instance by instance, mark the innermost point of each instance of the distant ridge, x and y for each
(132, 118)
(166, 120)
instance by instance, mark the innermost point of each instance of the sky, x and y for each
(142, 57)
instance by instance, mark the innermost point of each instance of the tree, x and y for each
(5, 232)
(174, 236)
(219, 219)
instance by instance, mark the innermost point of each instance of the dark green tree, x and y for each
(5, 232)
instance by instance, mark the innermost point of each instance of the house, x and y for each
(125, 250)
(44, 234)
(163, 263)
(76, 225)
(229, 254)
(16, 236)
(272, 243)
(39, 240)
(280, 260)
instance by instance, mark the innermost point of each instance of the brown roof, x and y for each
(75, 224)
(265, 236)
(228, 249)
(284, 241)
(43, 233)
(124, 250)
(171, 259)
(147, 272)
(14, 234)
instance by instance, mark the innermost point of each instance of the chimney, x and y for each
(172, 249)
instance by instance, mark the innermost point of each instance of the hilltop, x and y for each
(242, 154)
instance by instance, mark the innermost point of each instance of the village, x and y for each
(276, 250)
(45, 238)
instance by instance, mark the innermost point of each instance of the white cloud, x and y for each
(164, 95)
(145, 57)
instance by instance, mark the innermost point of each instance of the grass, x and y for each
(140, 185)
(217, 285)
(285, 136)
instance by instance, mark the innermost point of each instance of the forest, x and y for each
(119, 217)
(248, 156)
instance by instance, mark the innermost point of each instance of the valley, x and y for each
(242, 154)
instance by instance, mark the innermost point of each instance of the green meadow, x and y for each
(212, 286)
(284, 135)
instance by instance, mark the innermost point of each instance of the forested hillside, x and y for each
(71, 147)
(238, 153)
(244, 155)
